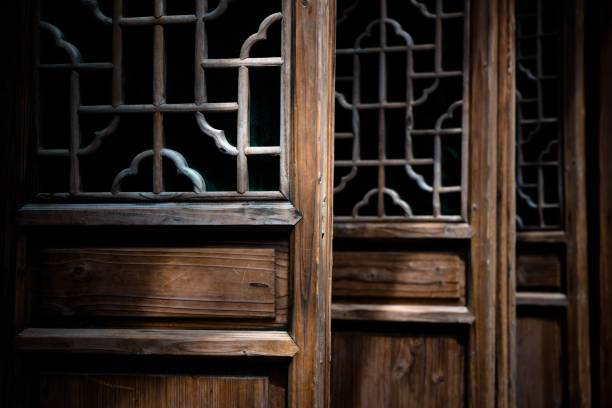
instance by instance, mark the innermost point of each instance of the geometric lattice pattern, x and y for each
(539, 164)
(401, 144)
(159, 156)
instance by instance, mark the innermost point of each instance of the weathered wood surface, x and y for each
(202, 214)
(540, 368)
(483, 170)
(198, 282)
(378, 370)
(398, 275)
(227, 343)
(538, 271)
(402, 313)
(574, 138)
(605, 203)
(312, 194)
(506, 210)
(138, 391)
(541, 299)
(542, 236)
(402, 230)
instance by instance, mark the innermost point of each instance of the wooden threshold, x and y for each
(402, 313)
(541, 299)
(415, 230)
(224, 343)
(162, 214)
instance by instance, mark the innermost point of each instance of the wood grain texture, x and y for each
(578, 364)
(134, 391)
(312, 193)
(402, 230)
(377, 370)
(605, 204)
(402, 313)
(540, 365)
(203, 214)
(159, 342)
(483, 171)
(541, 299)
(398, 275)
(198, 282)
(538, 271)
(506, 210)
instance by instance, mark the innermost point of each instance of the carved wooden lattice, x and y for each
(539, 164)
(401, 143)
(242, 149)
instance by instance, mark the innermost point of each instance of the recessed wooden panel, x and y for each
(540, 368)
(538, 271)
(374, 370)
(399, 275)
(93, 391)
(202, 282)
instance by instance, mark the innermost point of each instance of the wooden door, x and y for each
(169, 213)
(552, 332)
(423, 214)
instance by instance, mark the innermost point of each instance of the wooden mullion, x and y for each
(312, 193)
(506, 202)
(482, 208)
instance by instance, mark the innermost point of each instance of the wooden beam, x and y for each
(403, 313)
(280, 214)
(224, 343)
(415, 230)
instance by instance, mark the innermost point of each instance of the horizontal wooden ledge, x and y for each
(403, 313)
(541, 299)
(444, 230)
(159, 342)
(167, 214)
(541, 236)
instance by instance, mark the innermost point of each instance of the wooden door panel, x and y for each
(399, 275)
(397, 369)
(541, 380)
(195, 282)
(100, 391)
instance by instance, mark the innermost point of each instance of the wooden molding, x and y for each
(416, 230)
(403, 313)
(280, 214)
(158, 342)
(541, 299)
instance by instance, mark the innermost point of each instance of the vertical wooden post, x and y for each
(482, 203)
(605, 204)
(506, 207)
(311, 172)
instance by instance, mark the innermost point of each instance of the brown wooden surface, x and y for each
(402, 313)
(159, 342)
(398, 275)
(312, 193)
(378, 370)
(415, 230)
(541, 299)
(198, 282)
(578, 347)
(506, 208)
(538, 271)
(540, 367)
(605, 203)
(483, 167)
(98, 391)
(202, 214)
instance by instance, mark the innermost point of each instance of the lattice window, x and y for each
(401, 106)
(133, 92)
(539, 163)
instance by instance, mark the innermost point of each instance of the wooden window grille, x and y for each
(401, 111)
(539, 133)
(245, 157)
